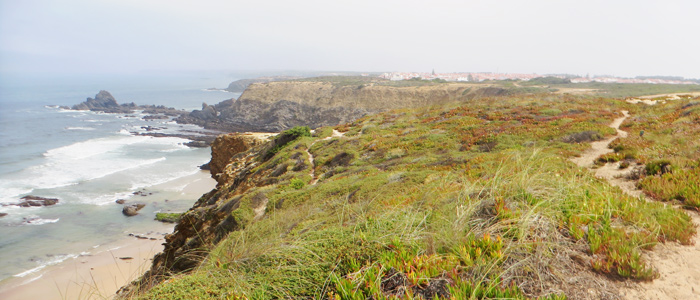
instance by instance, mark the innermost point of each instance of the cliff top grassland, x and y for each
(473, 200)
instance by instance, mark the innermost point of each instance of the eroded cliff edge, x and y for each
(228, 207)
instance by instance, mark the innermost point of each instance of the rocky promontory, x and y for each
(315, 102)
(240, 85)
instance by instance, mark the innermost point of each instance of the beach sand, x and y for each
(96, 276)
(101, 273)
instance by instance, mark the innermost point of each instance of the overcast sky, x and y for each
(623, 38)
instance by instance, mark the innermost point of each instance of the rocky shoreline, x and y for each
(106, 103)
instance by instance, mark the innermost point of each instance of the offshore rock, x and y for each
(30, 200)
(132, 210)
(105, 102)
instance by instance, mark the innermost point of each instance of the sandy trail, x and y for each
(678, 265)
(601, 147)
(314, 180)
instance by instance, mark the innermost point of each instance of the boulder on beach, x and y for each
(120, 201)
(132, 210)
(3, 214)
(30, 200)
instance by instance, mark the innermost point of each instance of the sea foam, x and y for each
(88, 160)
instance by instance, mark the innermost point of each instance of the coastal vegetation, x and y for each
(667, 144)
(471, 200)
(168, 217)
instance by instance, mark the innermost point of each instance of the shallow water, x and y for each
(88, 160)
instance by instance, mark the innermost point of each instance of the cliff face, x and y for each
(225, 147)
(276, 106)
(234, 163)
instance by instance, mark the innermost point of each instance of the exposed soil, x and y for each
(312, 172)
(678, 265)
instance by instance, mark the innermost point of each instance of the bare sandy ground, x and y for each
(667, 97)
(678, 265)
(260, 135)
(314, 179)
(601, 147)
(96, 276)
(670, 96)
(575, 91)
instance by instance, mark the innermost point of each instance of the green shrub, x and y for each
(168, 217)
(608, 158)
(658, 167)
(682, 185)
(284, 138)
(296, 183)
(298, 131)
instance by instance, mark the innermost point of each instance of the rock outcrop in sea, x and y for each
(29, 201)
(133, 209)
(104, 102)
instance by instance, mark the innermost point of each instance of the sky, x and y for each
(620, 38)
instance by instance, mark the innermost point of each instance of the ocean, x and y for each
(88, 160)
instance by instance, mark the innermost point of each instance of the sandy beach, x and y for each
(99, 272)
(96, 276)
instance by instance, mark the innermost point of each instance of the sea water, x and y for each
(88, 160)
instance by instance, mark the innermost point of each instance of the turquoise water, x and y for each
(88, 160)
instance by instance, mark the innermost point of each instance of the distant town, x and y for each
(478, 77)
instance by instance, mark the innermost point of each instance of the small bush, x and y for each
(582, 137)
(624, 165)
(296, 183)
(298, 131)
(682, 185)
(551, 112)
(608, 158)
(285, 138)
(661, 166)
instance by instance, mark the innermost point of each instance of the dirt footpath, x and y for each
(678, 265)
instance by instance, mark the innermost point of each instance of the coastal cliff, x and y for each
(443, 200)
(326, 101)
(238, 199)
